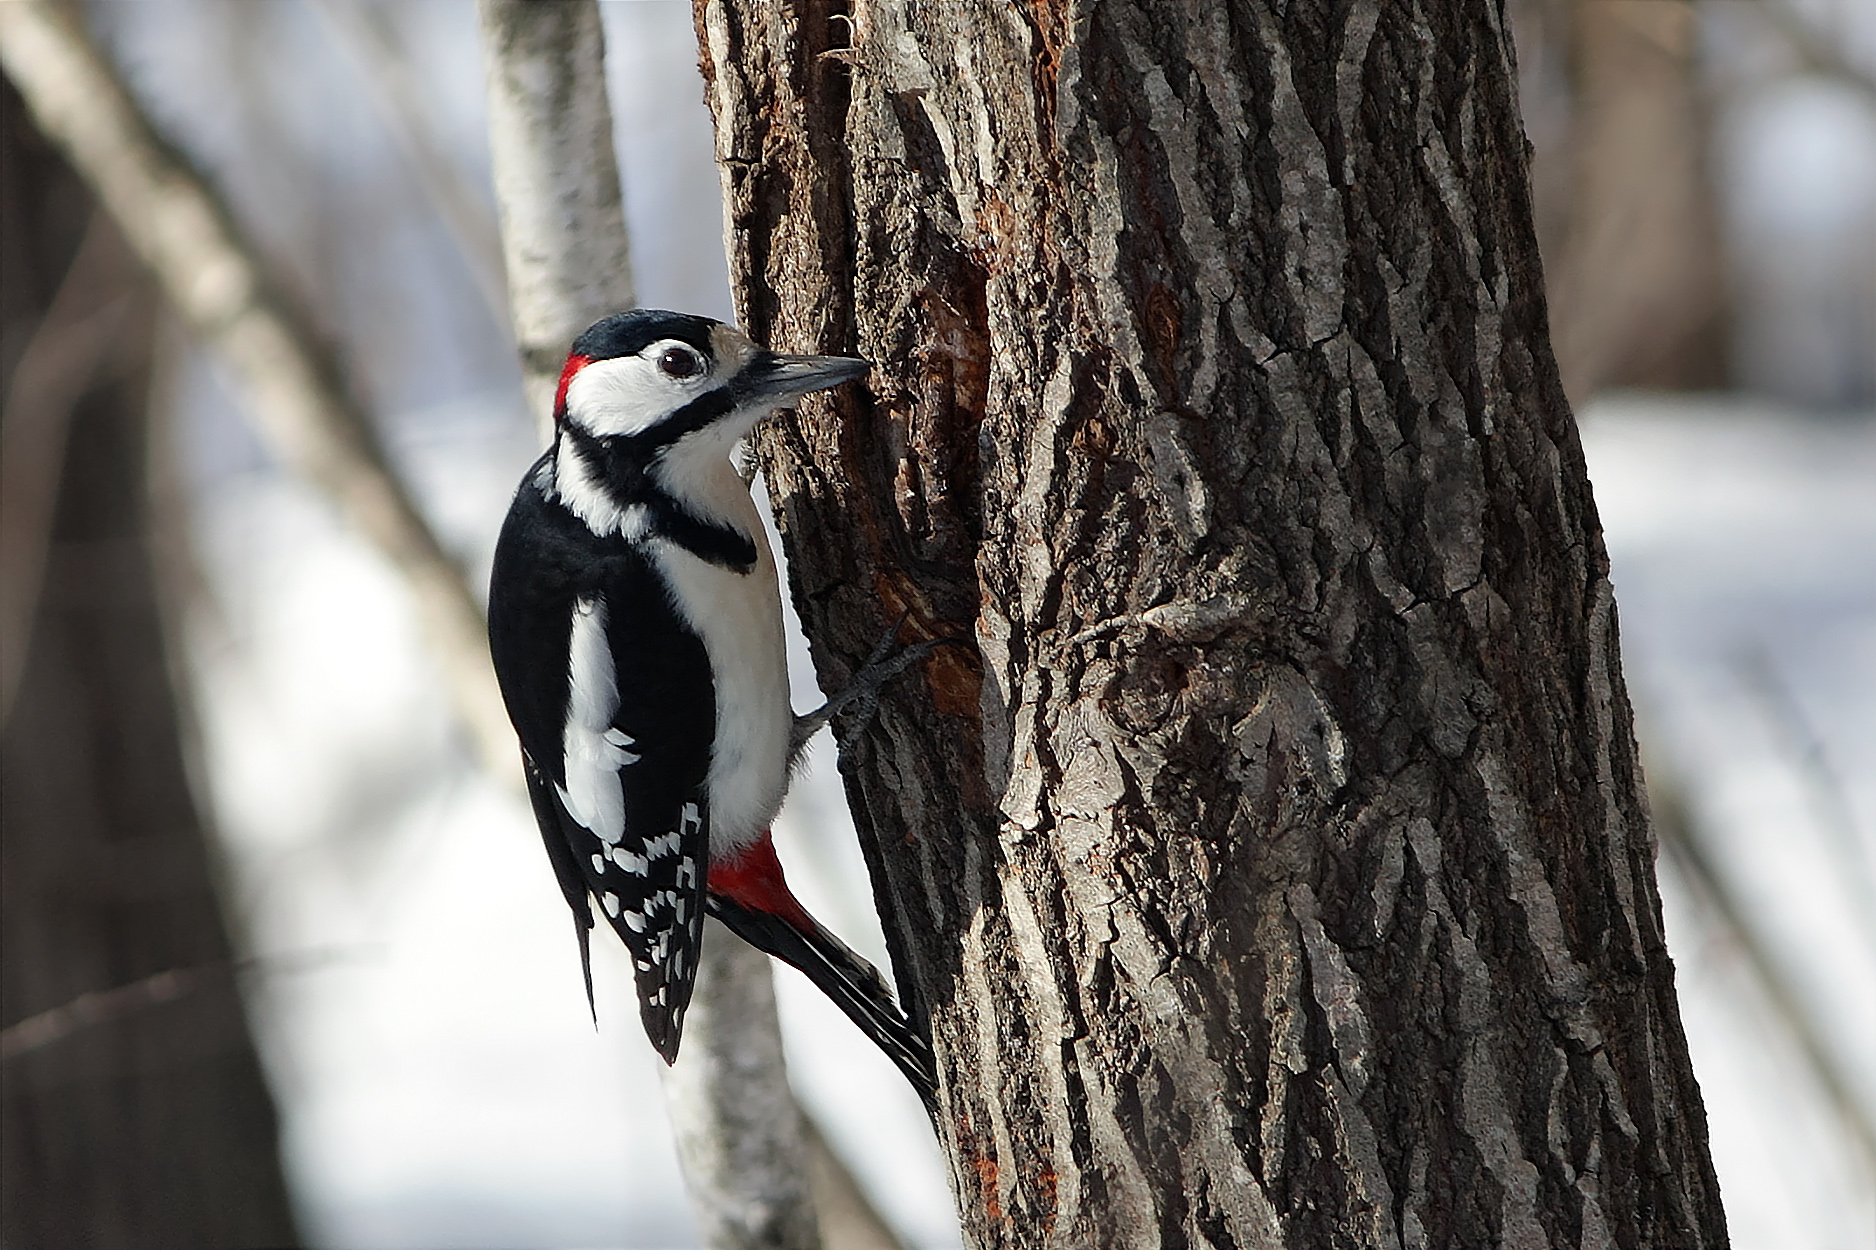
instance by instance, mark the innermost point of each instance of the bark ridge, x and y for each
(1275, 869)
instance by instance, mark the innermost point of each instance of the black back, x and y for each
(546, 561)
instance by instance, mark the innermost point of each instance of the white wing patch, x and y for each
(593, 751)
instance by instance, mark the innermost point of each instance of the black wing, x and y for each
(612, 697)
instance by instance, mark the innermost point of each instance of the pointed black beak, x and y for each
(780, 378)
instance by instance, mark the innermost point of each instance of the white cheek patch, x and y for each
(594, 752)
(627, 395)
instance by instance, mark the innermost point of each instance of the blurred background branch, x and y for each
(186, 235)
(407, 112)
(59, 364)
(1818, 52)
(1682, 839)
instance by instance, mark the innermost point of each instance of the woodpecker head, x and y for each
(656, 379)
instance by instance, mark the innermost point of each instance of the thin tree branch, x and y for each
(184, 231)
(49, 379)
(1817, 51)
(362, 30)
(1686, 849)
(1822, 785)
(96, 1007)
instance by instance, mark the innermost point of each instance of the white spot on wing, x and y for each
(610, 902)
(637, 865)
(621, 739)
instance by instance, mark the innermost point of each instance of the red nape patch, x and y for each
(754, 879)
(574, 365)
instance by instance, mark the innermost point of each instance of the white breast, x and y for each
(739, 617)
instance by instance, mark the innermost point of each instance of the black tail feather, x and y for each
(572, 886)
(853, 984)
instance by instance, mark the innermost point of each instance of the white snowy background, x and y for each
(421, 1016)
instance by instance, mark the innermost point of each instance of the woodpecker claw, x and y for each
(862, 692)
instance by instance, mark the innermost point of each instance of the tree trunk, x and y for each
(564, 245)
(1627, 214)
(739, 1132)
(135, 1110)
(1272, 866)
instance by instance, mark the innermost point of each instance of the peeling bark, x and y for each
(1272, 868)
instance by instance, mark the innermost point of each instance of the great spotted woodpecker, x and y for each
(636, 627)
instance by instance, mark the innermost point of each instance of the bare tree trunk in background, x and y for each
(1627, 214)
(564, 245)
(738, 1129)
(734, 1121)
(292, 387)
(151, 1126)
(1277, 872)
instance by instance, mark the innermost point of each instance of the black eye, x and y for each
(679, 362)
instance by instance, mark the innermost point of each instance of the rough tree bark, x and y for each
(1275, 870)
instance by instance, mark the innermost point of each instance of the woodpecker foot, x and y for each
(861, 694)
